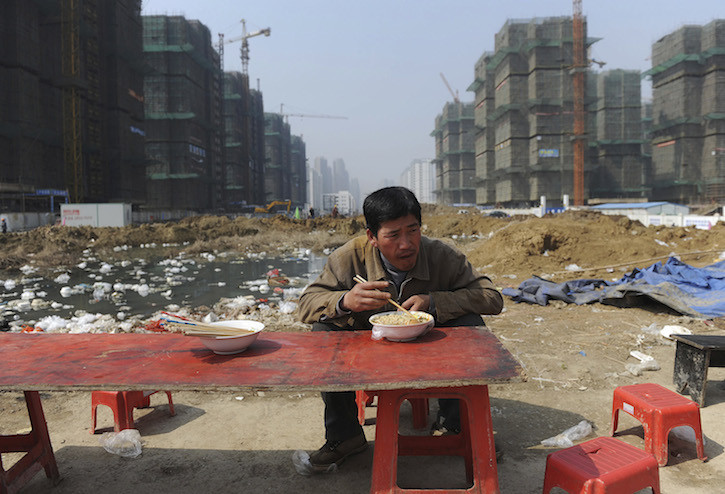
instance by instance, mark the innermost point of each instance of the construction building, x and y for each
(524, 113)
(618, 166)
(454, 135)
(183, 110)
(243, 154)
(71, 109)
(298, 171)
(277, 173)
(688, 111)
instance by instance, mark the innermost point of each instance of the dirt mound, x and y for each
(521, 245)
(535, 246)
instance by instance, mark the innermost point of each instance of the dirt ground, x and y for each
(574, 357)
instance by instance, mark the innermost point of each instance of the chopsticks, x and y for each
(360, 279)
(196, 328)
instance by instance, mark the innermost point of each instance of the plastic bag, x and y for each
(126, 443)
(301, 461)
(566, 439)
(646, 362)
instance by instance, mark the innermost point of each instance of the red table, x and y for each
(458, 362)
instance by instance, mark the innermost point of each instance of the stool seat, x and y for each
(601, 465)
(659, 410)
(419, 406)
(122, 404)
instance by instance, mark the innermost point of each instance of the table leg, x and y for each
(690, 371)
(36, 445)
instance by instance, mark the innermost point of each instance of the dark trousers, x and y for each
(341, 421)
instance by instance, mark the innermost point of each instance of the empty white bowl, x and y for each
(229, 345)
(401, 332)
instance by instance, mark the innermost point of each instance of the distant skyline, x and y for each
(378, 62)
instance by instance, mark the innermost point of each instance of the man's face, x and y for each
(399, 241)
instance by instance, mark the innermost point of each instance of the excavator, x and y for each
(273, 207)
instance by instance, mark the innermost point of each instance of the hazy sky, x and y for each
(378, 62)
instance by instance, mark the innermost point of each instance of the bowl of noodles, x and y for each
(399, 326)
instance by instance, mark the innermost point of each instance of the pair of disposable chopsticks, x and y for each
(196, 328)
(360, 279)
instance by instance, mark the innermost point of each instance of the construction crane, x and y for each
(303, 115)
(245, 44)
(455, 95)
(578, 70)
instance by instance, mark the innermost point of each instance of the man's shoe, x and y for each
(335, 452)
(438, 429)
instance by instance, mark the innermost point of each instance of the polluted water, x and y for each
(142, 282)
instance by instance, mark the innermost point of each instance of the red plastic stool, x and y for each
(122, 404)
(659, 410)
(474, 444)
(601, 465)
(419, 405)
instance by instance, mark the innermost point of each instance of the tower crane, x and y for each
(578, 69)
(245, 44)
(303, 115)
(445, 81)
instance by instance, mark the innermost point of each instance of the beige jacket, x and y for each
(440, 271)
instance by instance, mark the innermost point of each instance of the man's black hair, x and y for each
(389, 203)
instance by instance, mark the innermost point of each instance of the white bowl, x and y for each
(404, 332)
(229, 345)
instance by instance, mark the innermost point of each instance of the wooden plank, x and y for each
(279, 361)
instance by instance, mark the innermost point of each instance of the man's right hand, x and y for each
(366, 296)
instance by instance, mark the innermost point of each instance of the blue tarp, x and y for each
(697, 292)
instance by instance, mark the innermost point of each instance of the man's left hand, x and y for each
(417, 302)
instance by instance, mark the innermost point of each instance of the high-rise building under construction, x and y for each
(688, 111)
(183, 110)
(454, 136)
(71, 111)
(524, 112)
(243, 142)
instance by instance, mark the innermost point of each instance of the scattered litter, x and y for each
(651, 329)
(538, 319)
(239, 398)
(566, 439)
(126, 443)
(660, 242)
(668, 331)
(646, 362)
(287, 307)
(582, 353)
(573, 267)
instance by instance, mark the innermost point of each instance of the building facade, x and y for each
(183, 104)
(420, 178)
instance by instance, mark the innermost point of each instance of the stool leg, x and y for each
(480, 427)
(125, 413)
(385, 459)
(690, 371)
(615, 420)
(93, 417)
(420, 412)
(40, 432)
(171, 404)
(361, 400)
